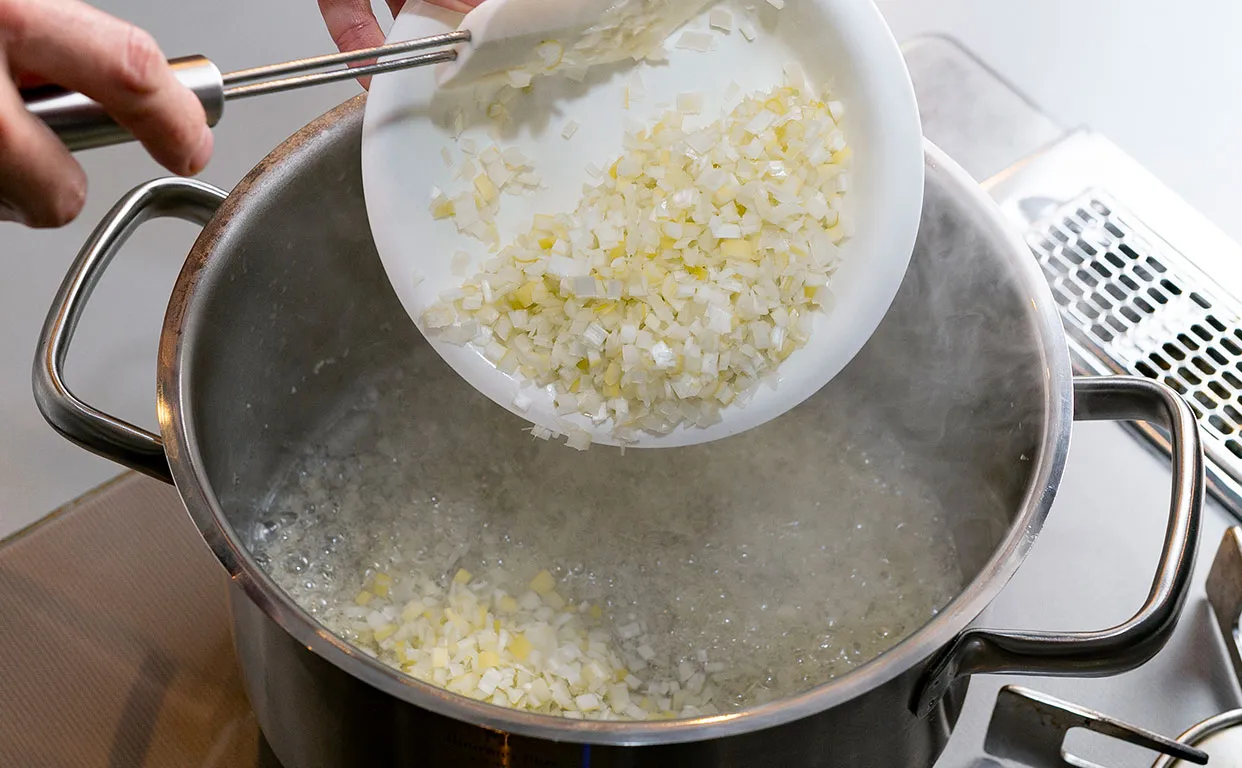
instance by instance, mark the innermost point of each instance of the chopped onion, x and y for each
(628, 29)
(720, 18)
(690, 270)
(690, 103)
(578, 439)
(692, 40)
(537, 652)
(474, 212)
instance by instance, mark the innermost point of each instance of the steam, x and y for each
(791, 553)
(955, 374)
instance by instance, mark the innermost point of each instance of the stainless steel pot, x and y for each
(970, 366)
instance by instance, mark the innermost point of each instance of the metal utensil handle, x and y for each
(81, 123)
(1130, 644)
(1029, 728)
(83, 424)
(299, 73)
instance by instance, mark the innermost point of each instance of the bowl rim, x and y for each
(885, 133)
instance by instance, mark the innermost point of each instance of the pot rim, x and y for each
(183, 324)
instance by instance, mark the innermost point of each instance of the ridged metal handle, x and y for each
(1030, 728)
(81, 123)
(1130, 644)
(94, 430)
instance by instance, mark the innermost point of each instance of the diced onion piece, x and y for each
(570, 129)
(690, 103)
(720, 18)
(587, 702)
(541, 653)
(795, 76)
(747, 29)
(692, 40)
(550, 53)
(578, 439)
(543, 583)
(777, 4)
(625, 31)
(519, 78)
(441, 206)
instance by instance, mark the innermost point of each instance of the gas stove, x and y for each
(114, 621)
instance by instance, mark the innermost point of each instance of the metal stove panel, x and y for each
(1136, 305)
(1146, 285)
(1137, 293)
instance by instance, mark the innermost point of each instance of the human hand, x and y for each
(353, 25)
(71, 44)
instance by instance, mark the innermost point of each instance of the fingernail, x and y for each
(198, 161)
(8, 212)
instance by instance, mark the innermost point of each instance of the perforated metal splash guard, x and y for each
(1134, 304)
(1146, 285)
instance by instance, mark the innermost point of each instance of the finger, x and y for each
(28, 80)
(353, 26)
(351, 23)
(40, 182)
(116, 64)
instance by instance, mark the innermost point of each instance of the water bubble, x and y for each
(263, 531)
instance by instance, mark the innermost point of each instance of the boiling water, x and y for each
(786, 556)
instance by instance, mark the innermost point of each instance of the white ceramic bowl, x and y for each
(844, 46)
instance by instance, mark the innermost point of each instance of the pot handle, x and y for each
(94, 430)
(1130, 644)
